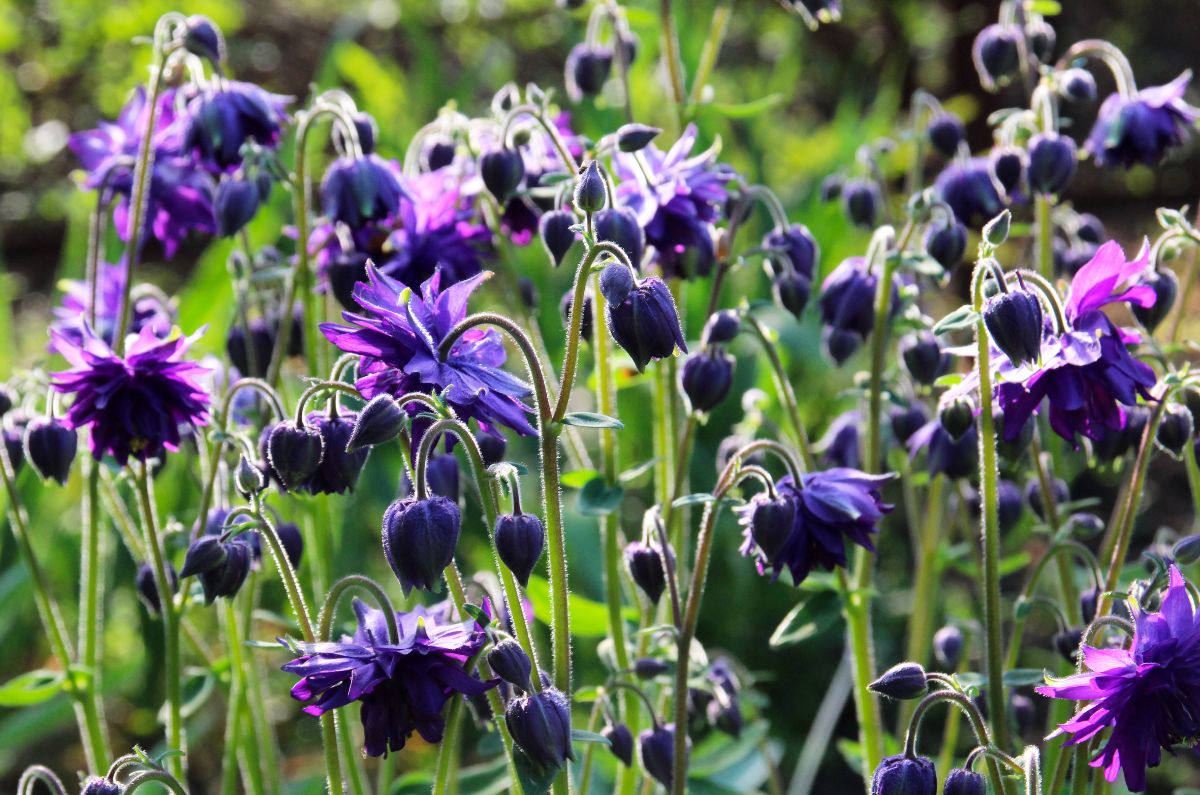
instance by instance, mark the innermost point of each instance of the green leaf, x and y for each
(577, 478)
(950, 379)
(582, 736)
(806, 620)
(589, 618)
(1021, 677)
(747, 110)
(1047, 8)
(590, 419)
(636, 475)
(961, 318)
(476, 612)
(598, 497)
(32, 687)
(693, 499)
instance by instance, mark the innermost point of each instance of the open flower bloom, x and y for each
(1147, 694)
(180, 194)
(676, 196)
(1086, 374)
(69, 317)
(398, 334)
(219, 120)
(133, 405)
(834, 508)
(1141, 128)
(402, 687)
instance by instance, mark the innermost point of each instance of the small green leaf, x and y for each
(995, 231)
(578, 478)
(590, 419)
(747, 110)
(806, 620)
(32, 687)
(582, 736)
(961, 318)
(692, 499)
(950, 379)
(598, 497)
(476, 612)
(1021, 677)
(635, 475)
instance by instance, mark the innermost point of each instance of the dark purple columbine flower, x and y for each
(148, 310)
(398, 334)
(834, 508)
(1141, 128)
(401, 687)
(358, 190)
(218, 121)
(138, 404)
(677, 197)
(645, 323)
(1147, 694)
(839, 447)
(967, 186)
(180, 195)
(1087, 374)
(848, 306)
(945, 455)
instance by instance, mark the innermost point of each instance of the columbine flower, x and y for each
(148, 310)
(1148, 694)
(219, 121)
(402, 687)
(180, 196)
(848, 306)
(833, 507)
(358, 190)
(398, 334)
(1087, 373)
(1141, 128)
(677, 196)
(134, 404)
(967, 186)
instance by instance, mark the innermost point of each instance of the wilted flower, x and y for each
(1141, 128)
(134, 404)
(402, 687)
(1147, 694)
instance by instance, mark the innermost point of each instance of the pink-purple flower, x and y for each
(1148, 694)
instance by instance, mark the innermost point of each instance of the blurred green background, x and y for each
(790, 106)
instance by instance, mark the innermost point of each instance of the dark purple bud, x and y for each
(629, 47)
(14, 445)
(294, 453)
(204, 554)
(903, 681)
(50, 448)
(946, 243)
(571, 5)
(528, 292)
(202, 38)
(1166, 287)
(1084, 526)
(338, 471)
(725, 715)
(438, 152)
(923, 357)
(645, 564)
(635, 137)
(656, 746)
(1041, 38)
(1175, 429)
(771, 523)
(502, 171)
(616, 283)
(249, 478)
(620, 742)
(1011, 504)
(723, 327)
(101, 786)
(997, 54)
(590, 193)
(649, 667)
(1033, 495)
(946, 132)
(960, 781)
(292, 541)
(948, 647)
(792, 290)
(907, 420)
(706, 378)
(957, 416)
(491, 448)
(226, 575)
(260, 343)
(510, 662)
(147, 586)
(1007, 165)
(1185, 552)
(1014, 449)
(646, 324)
(358, 190)
(619, 225)
(1015, 323)
(364, 125)
(1077, 85)
(380, 421)
(6, 401)
(862, 201)
(831, 188)
(902, 775)
(441, 475)
(792, 246)
(1090, 229)
(586, 321)
(519, 542)
(554, 228)
(540, 724)
(587, 68)
(1090, 597)
(1067, 643)
(1052, 162)
(235, 203)
(419, 539)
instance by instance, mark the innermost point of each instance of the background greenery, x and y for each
(790, 106)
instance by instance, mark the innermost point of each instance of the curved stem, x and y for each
(536, 114)
(532, 364)
(35, 774)
(978, 726)
(162, 777)
(1113, 58)
(787, 394)
(338, 590)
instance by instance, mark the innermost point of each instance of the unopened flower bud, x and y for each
(50, 446)
(656, 746)
(294, 453)
(1186, 550)
(649, 667)
(419, 539)
(202, 38)
(791, 290)
(502, 171)
(635, 137)
(235, 204)
(946, 243)
(770, 524)
(1052, 161)
(619, 225)
(906, 420)
(590, 193)
(904, 681)
(1084, 526)
(586, 319)
(616, 282)
(964, 782)
(620, 742)
(587, 69)
(645, 564)
(519, 542)
(1175, 429)
(923, 357)
(1033, 495)
(1077, 85)
(510, 662)
(147, 586)
(996, 53)
(946, 132)
(645, 324)
(862, 201)
(1015, 323)
(554, 228)
(1041, 39)
(492, 447)
(948, 647)
(249, 478)
(706, 378)
(957, 416)
(831, 187)
(101, 786)
(903, 775)
(1166, 288)
(381, 420)
(1008, 165)
(540, 724)
(723, 327)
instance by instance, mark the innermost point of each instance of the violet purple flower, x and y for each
(402, 687)
(1141, 128)
(968, 188)
(148, 310)
(218, 121)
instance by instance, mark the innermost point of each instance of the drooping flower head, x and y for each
(1141, 128)
(398, 334)
(676, 196)
(180, 195)
(1087, 374)
(1147, 694)
(833, 509)
(138, 404)
(219, 120)
(358, 190)
(847, 306)
(967, 186)
(148, 310)
(402, 687)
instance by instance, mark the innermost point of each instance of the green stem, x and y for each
(173, 666)
(670, 45)
(1193, 476)
(712, 48)
(91, 601)
(254, 696)
(1045, 237)
(786, 393)
(924, 607)
(1066, 577)
(236, 716)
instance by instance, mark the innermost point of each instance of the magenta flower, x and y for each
(1147, 694)
(138, 404)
